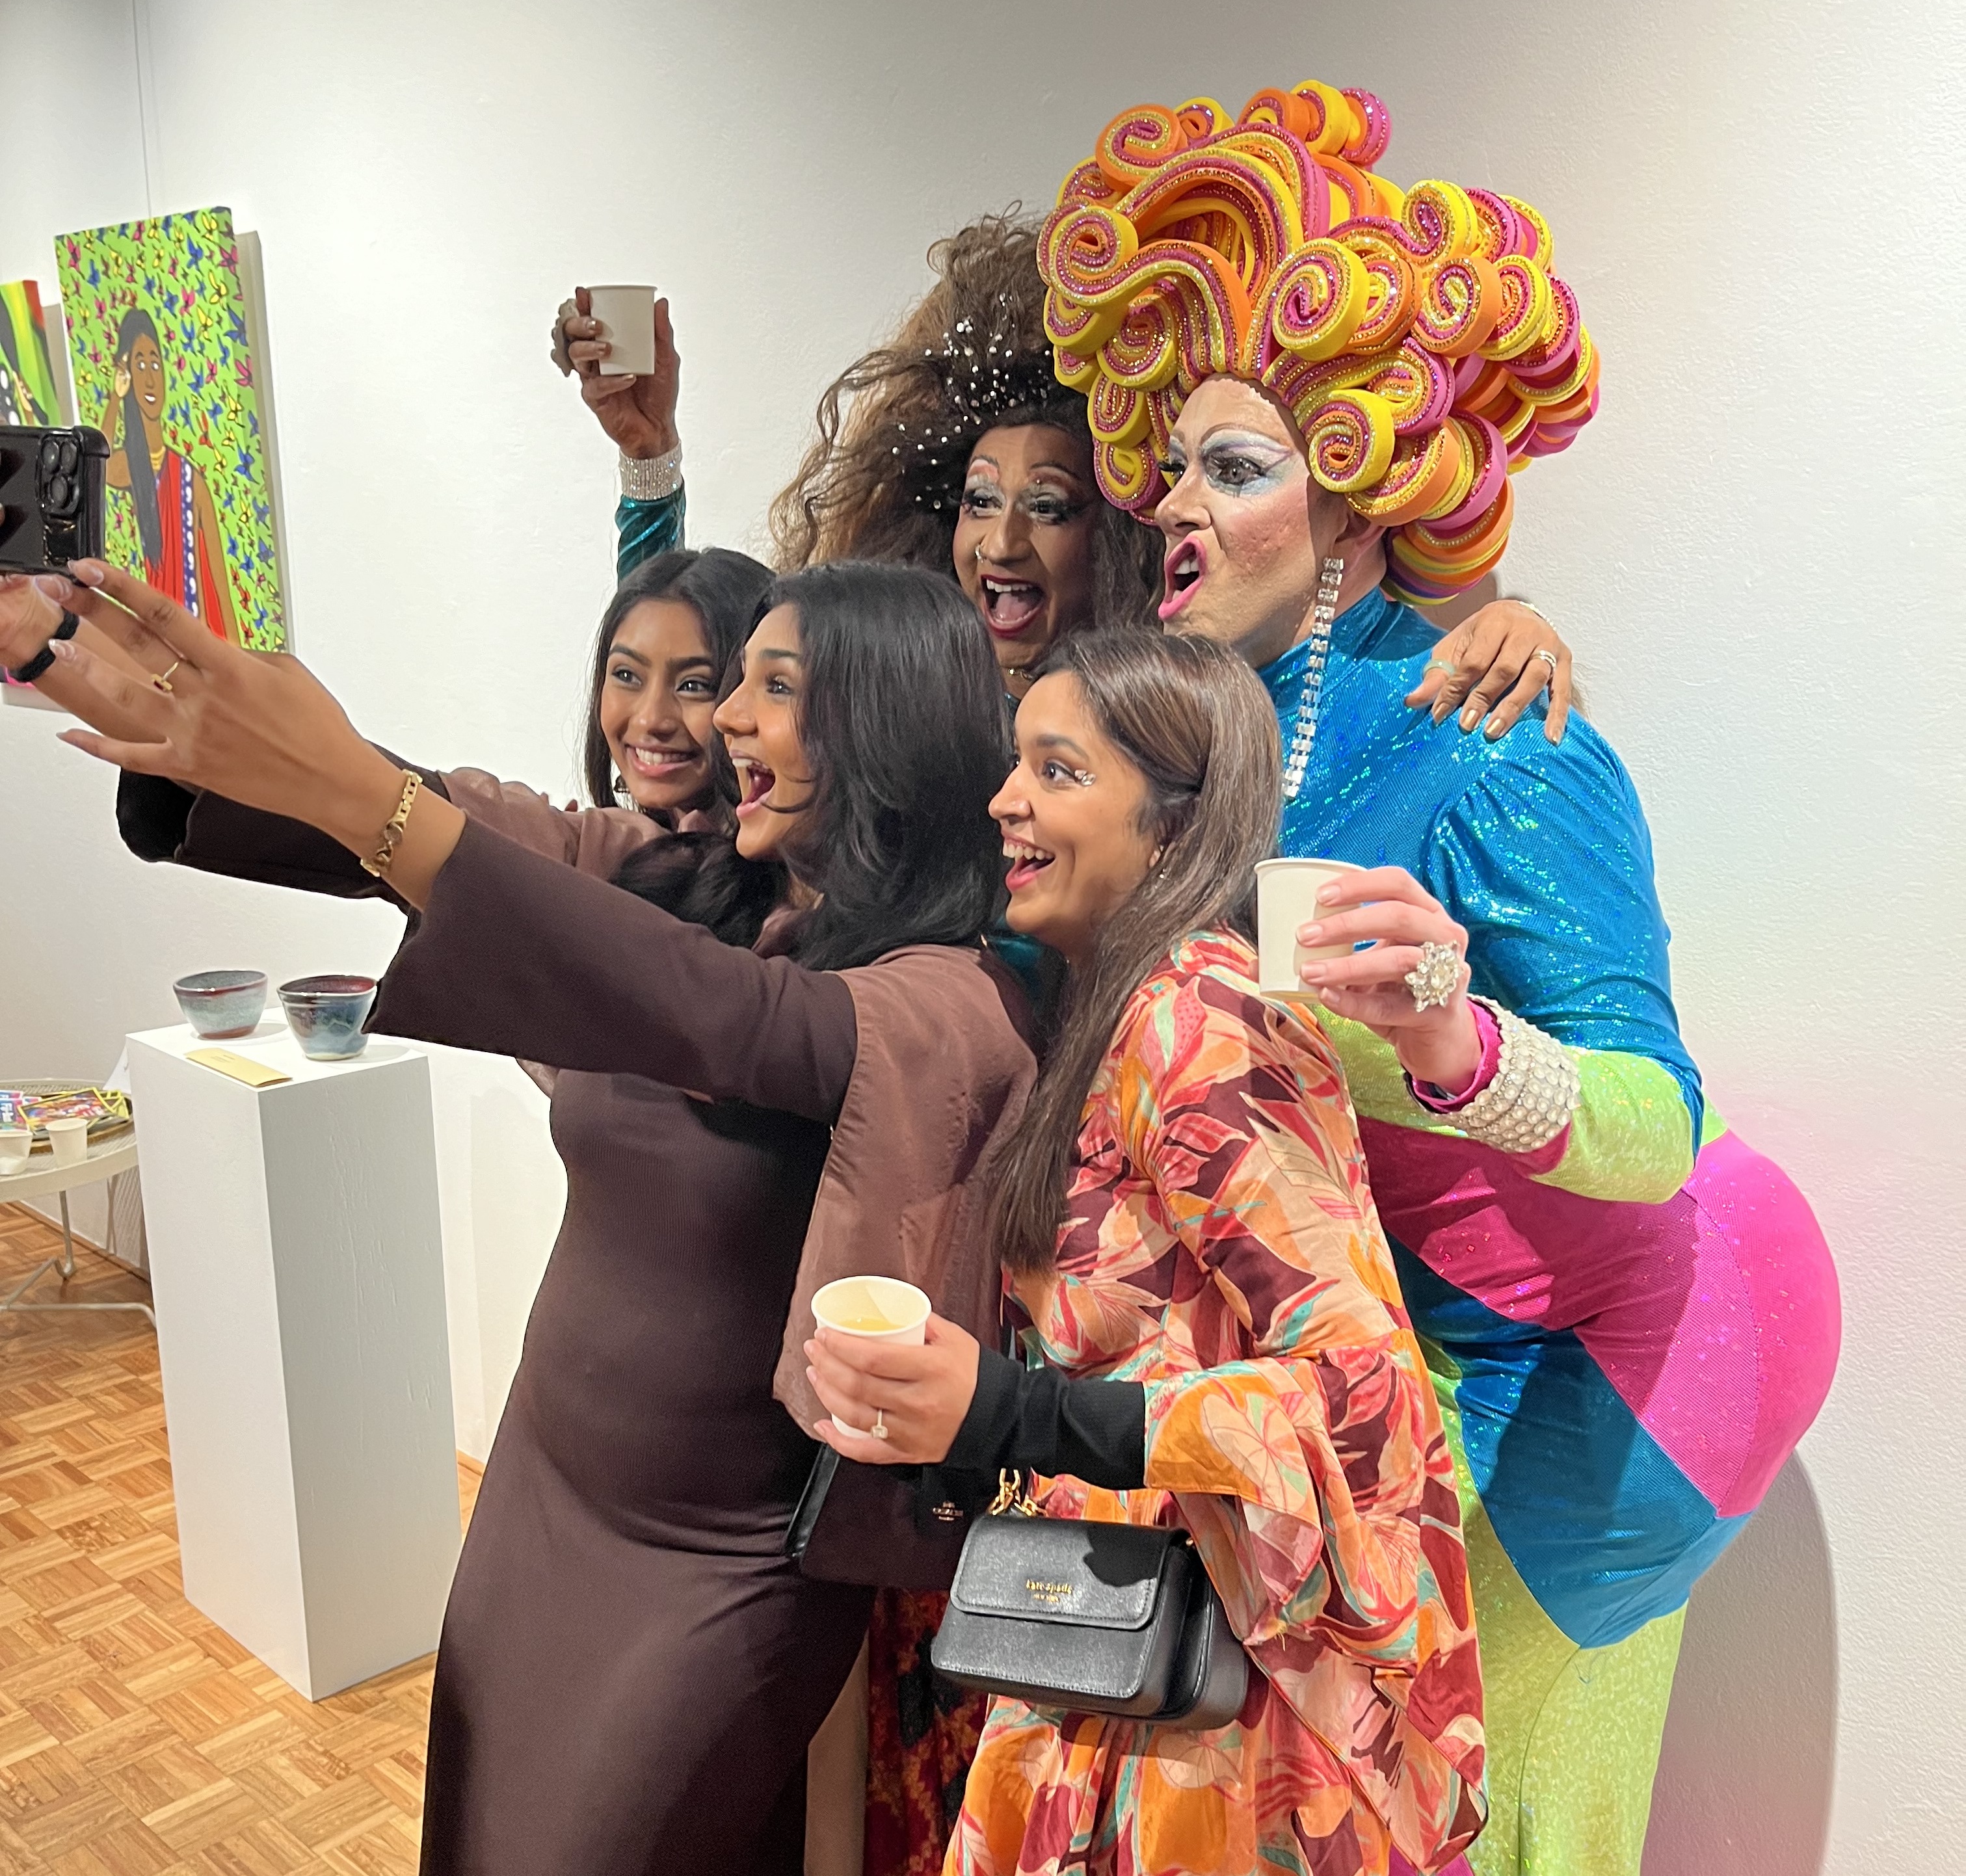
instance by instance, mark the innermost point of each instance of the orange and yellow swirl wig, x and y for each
(1418, 337)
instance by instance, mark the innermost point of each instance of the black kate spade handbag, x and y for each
(1118, 1618)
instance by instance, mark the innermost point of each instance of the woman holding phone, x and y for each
(784, 1061)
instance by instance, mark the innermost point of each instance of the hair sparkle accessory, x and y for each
(984, 376)
(1418, 337)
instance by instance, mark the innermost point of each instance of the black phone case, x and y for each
(51, 497)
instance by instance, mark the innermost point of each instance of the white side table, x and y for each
(42, 1178)
(297, 1269)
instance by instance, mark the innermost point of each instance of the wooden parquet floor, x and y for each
(136, 1737)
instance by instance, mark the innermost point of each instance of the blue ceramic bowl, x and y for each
(219, 1004)
(326, 1014)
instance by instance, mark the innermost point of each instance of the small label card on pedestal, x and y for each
(240, 1068)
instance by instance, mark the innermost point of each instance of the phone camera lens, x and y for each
(70, 455)
(50, 455)
(61, 496)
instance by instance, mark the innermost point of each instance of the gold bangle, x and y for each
(384, 855)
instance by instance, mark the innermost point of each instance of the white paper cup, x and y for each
(845, 1305)
(852, 1306)
(16, 1144)
(1286, 897)
(69, 1139)
(627, 317)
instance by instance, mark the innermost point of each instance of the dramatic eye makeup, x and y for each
(1046, 502)
(1241, 462)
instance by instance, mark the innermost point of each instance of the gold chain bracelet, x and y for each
(384, 855)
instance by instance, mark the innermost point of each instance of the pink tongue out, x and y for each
(1013, 607)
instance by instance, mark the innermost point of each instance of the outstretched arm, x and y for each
(516, 954)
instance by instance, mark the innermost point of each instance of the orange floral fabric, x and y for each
(1221, 1246)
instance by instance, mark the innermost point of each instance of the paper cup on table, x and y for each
(1286, 897)
(875, 1309)
(69, 1139)
(16, 1144)
(627, 317)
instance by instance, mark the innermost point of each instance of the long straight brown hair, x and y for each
(1196, 722)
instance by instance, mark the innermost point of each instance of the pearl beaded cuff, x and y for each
(1535, 1092)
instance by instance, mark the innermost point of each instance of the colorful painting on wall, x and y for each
(27, 376)
(164, 367)
(28, 394)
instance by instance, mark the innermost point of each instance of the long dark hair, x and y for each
(901, 717)
(1194, 720)
(882, 479)
(138, 325)
(722, 588)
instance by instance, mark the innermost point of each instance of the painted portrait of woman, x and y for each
(162, 497)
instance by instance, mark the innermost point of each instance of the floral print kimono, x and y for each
(1221, 1246)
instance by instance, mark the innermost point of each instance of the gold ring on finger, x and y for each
(879, 1429)
(1549, 657)
(162, 681)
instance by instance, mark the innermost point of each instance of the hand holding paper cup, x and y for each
(873, 1309)
(627, 316)
(1286, 898)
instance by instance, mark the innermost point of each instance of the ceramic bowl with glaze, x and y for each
(326, 1015)
(222, 1004)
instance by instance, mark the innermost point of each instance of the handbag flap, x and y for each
(1091, 1575)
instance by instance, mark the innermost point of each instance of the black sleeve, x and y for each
(1037, 1419)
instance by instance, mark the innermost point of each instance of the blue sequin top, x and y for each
(1540, 850)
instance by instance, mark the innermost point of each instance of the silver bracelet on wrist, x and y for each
(1535, 1090)
(652, 478)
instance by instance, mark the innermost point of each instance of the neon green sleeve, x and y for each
(1627, 1140)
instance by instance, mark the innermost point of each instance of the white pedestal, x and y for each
(297, 1269)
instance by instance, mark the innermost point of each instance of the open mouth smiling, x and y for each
(1010, 607)
(1026, 862)
(653, 763)
(1181, 573)
(757, 781)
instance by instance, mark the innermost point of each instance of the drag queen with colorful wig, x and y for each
(1314, 382)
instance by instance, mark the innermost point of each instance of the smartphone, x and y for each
(51, 499)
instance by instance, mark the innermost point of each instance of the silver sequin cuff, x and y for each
(1535, 1090)
(652, 478)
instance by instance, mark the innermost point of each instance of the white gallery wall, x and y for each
(1755, 550)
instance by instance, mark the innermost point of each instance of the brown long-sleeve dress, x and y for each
(630, 1669)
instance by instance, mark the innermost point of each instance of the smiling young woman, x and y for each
(757, 1090)
(667, 639)
(1202, 1283)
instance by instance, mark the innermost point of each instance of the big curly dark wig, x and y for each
(883, 478)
